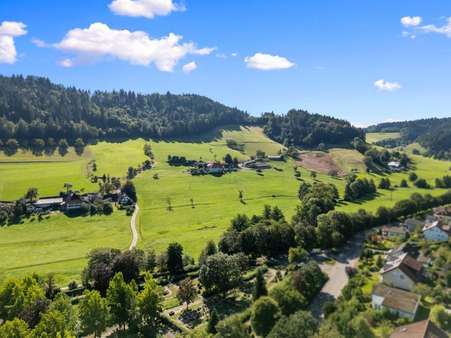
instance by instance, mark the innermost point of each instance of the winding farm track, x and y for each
(133, 228)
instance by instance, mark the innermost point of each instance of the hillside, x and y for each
(434, 134)
(303, 129)
(33, 107)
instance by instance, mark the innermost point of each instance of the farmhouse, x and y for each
(49, 202)
(435, 231)
(401, 271)
(412, 224)
(394, 232)
(394, 165)
(401, 302)
(257, 164)
(423, 329)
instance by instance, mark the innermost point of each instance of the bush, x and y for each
(265, 314)
(421, 183)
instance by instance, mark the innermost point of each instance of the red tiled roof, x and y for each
(423, 329)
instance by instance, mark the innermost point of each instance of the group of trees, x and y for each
(357, 188)
(268, 234)
(29, 309)
(317, 198)
(298, 127)
(444, 182)
(377, 159)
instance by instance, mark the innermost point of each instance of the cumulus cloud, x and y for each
(138, 48)
(8, 31)
(145, 8)
(445, 29)
(66, 63)
(267, 62)
(411, 21)
(387, 86)
(189, 67)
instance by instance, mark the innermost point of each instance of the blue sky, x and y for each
(350, 59)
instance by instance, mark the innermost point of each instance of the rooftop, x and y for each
(396, 229)
(397, 299)
(423, 329)
(50, 200)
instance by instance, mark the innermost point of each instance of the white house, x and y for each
(401, 271)
(435, 231)
(401, 302)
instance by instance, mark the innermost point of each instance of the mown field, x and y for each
(175, 206)
(59, 244)
(376, 137)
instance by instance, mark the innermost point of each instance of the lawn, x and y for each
(59, 244)
(49, 173)
(376, 137)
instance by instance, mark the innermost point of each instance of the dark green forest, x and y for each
(434, 134)
(34, 107)
(34, 112)
(300, 128)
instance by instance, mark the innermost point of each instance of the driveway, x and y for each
(336, 273)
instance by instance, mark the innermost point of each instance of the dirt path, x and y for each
(133, 228)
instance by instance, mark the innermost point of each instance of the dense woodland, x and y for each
(35, 113)
(434, 134)
(300, 128)
(34, 107)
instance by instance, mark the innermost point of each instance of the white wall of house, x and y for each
(376, 302)
(435, 234)
(398, 279)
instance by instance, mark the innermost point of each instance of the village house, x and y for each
(49, 202)
(401, 302)
(436, 231)
(401, 271)
(423, 329)
(394, 165)
(394, 232)
(412, 224)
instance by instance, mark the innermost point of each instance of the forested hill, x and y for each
(34, 107)
(300, 128)
(434, 134)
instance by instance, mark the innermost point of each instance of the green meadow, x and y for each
(174, 206)
(59, 244)
(376, 137)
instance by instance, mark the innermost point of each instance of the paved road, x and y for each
(337, 274)
(133, 228)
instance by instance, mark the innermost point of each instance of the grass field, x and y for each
(215, 199)
(59, 244)
(49, 173)
(376, 137)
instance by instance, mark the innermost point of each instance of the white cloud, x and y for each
(221, 56)
(146, 8)
(268, 62)
(66, 63)
(99, 41)
(445, 29)
(387, 86)
(189, 67)
(411, 21)
(8, 31)
(234, 54)
(204, 51)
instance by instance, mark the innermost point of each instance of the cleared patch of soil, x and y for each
(319, 161)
